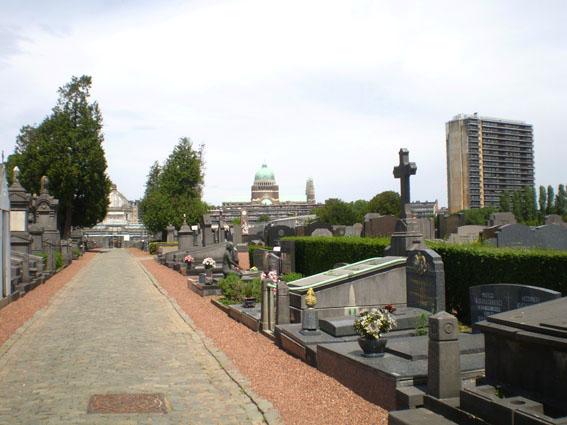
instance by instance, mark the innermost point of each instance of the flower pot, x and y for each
(372, 347)
(248, 302)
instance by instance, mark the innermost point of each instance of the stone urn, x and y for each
(372, 347)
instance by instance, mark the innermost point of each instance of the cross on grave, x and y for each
(403, 172)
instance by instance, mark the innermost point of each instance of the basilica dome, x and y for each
(265, 174)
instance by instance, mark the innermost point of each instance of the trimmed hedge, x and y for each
(152, 246)
(471, 265)
(318, 254)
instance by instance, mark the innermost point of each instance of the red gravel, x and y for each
(301, 393)
(18, 312)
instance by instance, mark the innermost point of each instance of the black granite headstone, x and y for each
(311, 227)
(275, 233)
(486, 300)
(425, 280)
(288, 256)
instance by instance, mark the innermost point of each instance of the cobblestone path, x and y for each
(111, 331)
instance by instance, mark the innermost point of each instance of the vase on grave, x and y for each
(248, 302)
(372, 347)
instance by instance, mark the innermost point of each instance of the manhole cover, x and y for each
(127, 403)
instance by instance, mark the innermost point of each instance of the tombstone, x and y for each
(551, 236)
(311, 227)
(282, 304)
(46, 207)
(36, 232)
(208, 237)
(299, 230)
(381, 227)
(258, 258)
(444, 356)
(553, 219)
(515, 235)
(185, 237)
(287, 256)
(486, 300)
(354, 231)
(77, 239)
(322, 233)
(170, 233)
(466, 234)
(339, 230)
(244, 225)
(426, 227)
(236, 235)
(20, 205)
(449, 224)
(271, 263)
(425, 280)
(501, 218)
(5, 266)
(406, 236)
(275, 233)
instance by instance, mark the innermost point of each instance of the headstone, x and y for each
(282, 304)
(553, 219)
(365, 227)
(339, 230)
(502, 218)
(20, 204)
(244, 225)
(322, 232)
(170, 233)
(299, 230)
(185, 237)
(425, 280)
(381, 227)
(426, 227)
(258, 258)
(236, 235)
(311, 227)
(444, 359)
(515, 235)
(450, 224)
(275, 233)
(466, 234)
(272, 263)
(288, 256)
(354, 231)
(551, 236)
(486, 300)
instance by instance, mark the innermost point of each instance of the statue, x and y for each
(229, 266)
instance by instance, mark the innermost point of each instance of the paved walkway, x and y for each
(111, 331)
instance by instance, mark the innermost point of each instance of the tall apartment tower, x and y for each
(486, 156)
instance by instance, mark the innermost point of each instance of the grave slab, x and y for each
(203, 290)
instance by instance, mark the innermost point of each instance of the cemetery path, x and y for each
(110, 331)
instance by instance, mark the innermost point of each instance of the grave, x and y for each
(466, 234)
(487, 300)
(322, 233)
(426, 226)
(311, 227)
(339, 230)
(275, 233)
(425, 280)
(380, 227)
(526, 354)
(501, 219)
(553, 219)
(450, 224)
(552, 236)
(354, 231)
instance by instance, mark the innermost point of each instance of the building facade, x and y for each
(486, 156)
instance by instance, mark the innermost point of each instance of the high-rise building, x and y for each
(486, 156)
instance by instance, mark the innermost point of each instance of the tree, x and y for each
(542, 200)
(264, 218)
(336, 211)
(550, 200)
(529, 205)
(67, 148)
(359, 208)
(505, 205)
(385, 203)
(561, 201)
(517, 205)
(175, 189)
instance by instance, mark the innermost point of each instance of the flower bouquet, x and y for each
(188, 259)
(209, 263)
(374, 323)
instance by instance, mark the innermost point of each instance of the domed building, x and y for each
(265, 191)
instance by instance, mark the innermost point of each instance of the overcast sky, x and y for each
(323, 89)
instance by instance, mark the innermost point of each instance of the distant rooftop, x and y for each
(475, 116)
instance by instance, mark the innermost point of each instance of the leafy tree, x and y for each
(359, 208)
(561, 201)
(264, 218)
(385, 203)
(517, 205)
(174, 189)
(505, 205)
(550, 200)
(542, 199)
(478, 216)
(529, 205)
(67, 148)
(336, 211)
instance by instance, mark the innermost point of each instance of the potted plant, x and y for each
(371, 325)
(209, 263)
(189, 260)
(248, 294)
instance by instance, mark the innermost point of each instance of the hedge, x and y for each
(471, 265)
(318, 254)
(152, 246)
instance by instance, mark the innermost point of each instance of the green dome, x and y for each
(264, 173)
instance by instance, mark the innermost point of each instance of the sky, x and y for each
(324, 89)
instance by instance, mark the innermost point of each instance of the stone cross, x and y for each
(403, 172)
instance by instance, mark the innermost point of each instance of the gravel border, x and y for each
(300, 393)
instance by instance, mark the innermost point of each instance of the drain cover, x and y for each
(127, 403)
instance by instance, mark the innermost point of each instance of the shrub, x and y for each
(234, 289)
(44, 256)
(152, 246)
(58, 260)
(318, 254)
(76, 252)
(290, 277)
